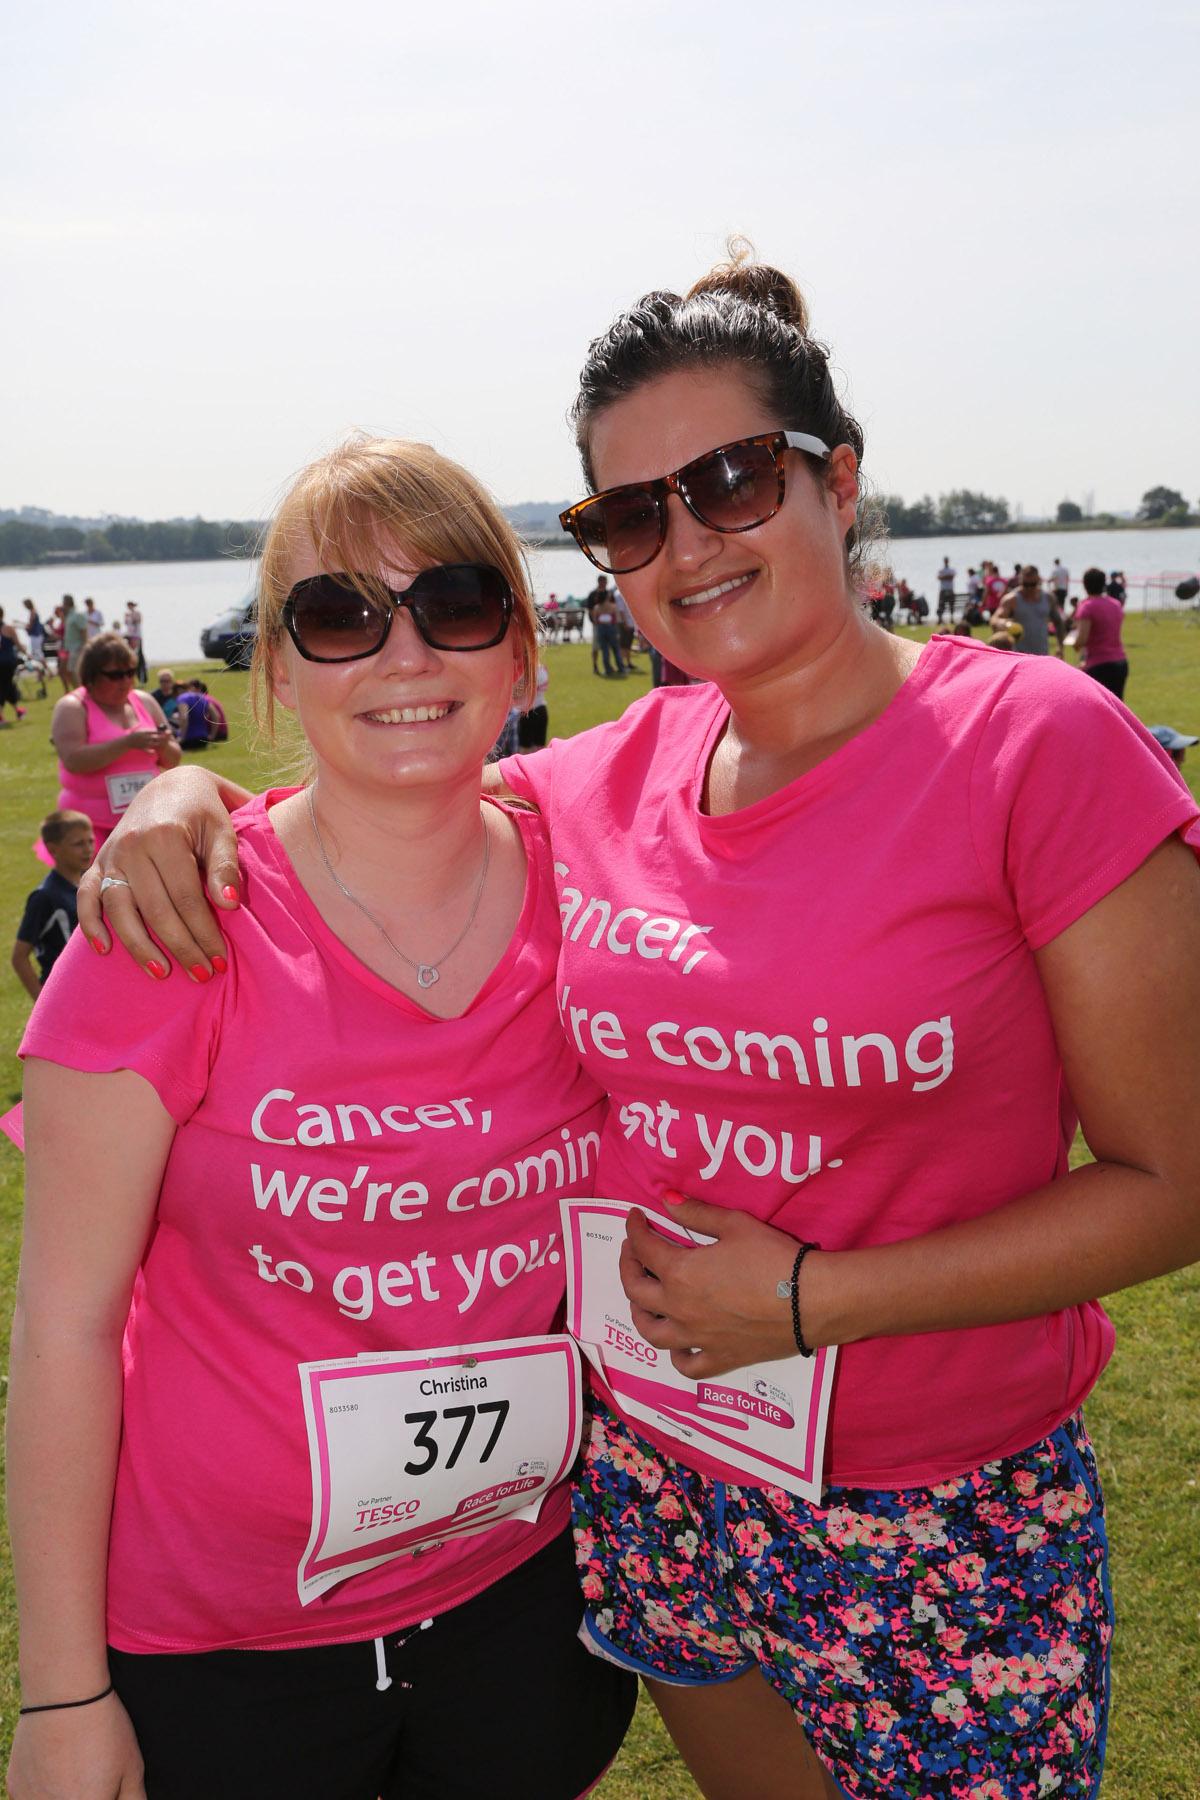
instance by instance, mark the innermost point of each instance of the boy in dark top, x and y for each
(49, 916)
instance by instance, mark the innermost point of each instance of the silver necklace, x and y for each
(427, 972)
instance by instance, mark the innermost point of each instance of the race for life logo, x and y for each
(768, 1402)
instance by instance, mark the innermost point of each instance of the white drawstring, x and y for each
(384, 1680)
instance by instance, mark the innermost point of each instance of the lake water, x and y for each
(178, 600)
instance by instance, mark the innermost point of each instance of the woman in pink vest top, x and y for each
(111, 739)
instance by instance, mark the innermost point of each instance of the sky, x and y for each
(231, 233)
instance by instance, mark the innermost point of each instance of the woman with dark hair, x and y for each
(111, 737)
(759, 953)
(1098, 642)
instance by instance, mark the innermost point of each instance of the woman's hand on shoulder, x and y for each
(86, 1753)
(716, 1306)
(174, 840)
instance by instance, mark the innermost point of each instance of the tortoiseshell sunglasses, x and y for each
(733, 488)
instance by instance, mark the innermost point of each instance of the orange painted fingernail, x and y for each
(156, 971)
(198, 972)
(229, 892)
(673, 1197)
(219, 965)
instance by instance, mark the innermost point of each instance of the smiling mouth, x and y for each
(717, 592)
(411, 715)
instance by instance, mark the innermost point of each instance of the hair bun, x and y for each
(754, 282)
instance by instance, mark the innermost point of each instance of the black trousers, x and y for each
(496, 1697)
(532, 727)
(1112, 675)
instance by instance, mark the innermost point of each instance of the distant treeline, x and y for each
(960, 513)
(963, 513)
(126, 540)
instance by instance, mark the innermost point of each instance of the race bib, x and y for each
(408, 1449)
(123, 788)
(768, 1421)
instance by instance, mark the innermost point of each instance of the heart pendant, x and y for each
(426, 975)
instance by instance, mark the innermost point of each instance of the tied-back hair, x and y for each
(359, 504)
(742, 315)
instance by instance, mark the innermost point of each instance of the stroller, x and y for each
(34, 669)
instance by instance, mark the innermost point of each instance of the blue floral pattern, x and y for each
(945, 1641)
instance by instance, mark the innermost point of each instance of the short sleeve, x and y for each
(33, 919)
(1069, 796)
(542, 774)
(622, 749)
(532, 777)
(99, 1014)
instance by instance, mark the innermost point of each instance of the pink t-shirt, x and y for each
(824, 1009)
(91, 791)
(1104, 639)
(451, 1138)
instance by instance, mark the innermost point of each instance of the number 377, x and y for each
(424, 1440)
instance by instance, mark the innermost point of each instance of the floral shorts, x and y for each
(944, 1641)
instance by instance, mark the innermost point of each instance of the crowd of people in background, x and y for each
(53, 646)
(56, 646)
(1022, 612)
(110, 736)
(893, 600)
(1019, 612)
(615, 638)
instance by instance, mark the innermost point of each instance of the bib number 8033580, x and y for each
(425, 1441)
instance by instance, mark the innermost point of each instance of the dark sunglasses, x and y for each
(116, 675)
(732, 488)
(455, 606)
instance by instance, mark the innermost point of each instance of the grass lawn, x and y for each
(1144, 1416)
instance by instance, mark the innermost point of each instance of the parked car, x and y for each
(231, 635)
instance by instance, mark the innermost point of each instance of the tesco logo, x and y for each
(371, 1516)
(629, 1345)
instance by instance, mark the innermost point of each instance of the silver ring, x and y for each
(112, 881)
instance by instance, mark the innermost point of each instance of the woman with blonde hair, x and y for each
(284, 1539)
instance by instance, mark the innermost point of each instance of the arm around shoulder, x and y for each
(174, 841)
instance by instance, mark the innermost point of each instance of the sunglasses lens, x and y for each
(335, 623)
(461, 606)
(621, 531)
(456, 606)
(733, 488)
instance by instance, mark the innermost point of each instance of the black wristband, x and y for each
(66, 1705)
(793, 1287)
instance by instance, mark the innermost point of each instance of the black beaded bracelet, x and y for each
(66, 1705)
(790, 1290)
